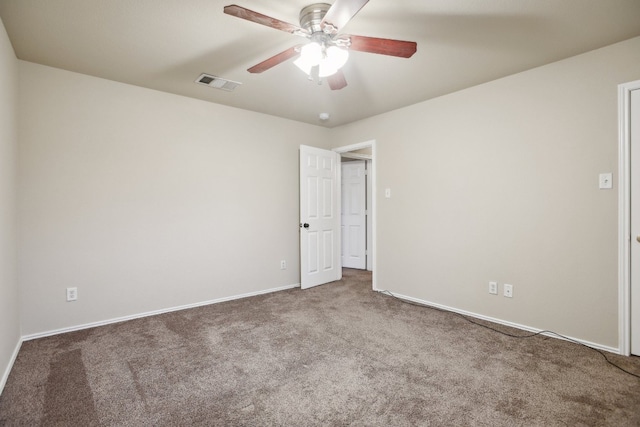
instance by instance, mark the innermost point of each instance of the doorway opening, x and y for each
(366, 153)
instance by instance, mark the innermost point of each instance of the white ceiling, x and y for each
(167, 44)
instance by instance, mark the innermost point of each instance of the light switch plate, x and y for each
(387, 193)
(606, 181)
(493, 288)
(72, 294)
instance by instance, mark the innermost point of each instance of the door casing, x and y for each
(624, 216)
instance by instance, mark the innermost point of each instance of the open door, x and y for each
(319, 217)
(353, 218)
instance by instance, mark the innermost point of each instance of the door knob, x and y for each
(638, 238)
(305, 225)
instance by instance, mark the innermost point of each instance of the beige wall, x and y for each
(125, 192)
(9, 326)
(500, 182)
(146, 200)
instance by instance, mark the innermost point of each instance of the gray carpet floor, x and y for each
(336, 355)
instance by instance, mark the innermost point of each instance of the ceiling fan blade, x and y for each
(259, 18)
(340, 13)
(276, 59)
(337, 81)
(390, 47)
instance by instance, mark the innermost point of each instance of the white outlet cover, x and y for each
(508, 290)
(605, 181)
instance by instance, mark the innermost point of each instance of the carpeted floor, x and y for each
(335, 355)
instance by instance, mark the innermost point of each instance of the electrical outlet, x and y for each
(493, 288)
(508, 290)
(605, 181)
(283, 265)
(72, 294)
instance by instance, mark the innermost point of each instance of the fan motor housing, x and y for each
(311, 16)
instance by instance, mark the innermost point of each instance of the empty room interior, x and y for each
(165, 252)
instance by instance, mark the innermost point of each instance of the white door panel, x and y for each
(635, 222)
(353, 218)
(319, 219)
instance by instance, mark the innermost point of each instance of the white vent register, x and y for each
(217, 82)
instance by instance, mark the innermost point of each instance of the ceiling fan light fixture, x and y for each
(337, 57)
(310, 56)
(329, 60)
(326, 69)
(305, 66)
(311, 53)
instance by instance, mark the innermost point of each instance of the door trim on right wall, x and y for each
(624, 216)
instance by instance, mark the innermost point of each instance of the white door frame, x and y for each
(624, 216)
(368, 144)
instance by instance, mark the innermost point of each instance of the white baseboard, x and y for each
(5, 375)
(507, 323)
(153, 313)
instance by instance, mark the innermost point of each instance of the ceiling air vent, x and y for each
(217, 82)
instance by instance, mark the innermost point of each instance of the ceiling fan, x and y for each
(327, 51)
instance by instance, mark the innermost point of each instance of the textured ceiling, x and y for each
(167, 44)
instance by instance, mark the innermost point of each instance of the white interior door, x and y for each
(353, 216)
(319, 217)
(635, 222)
